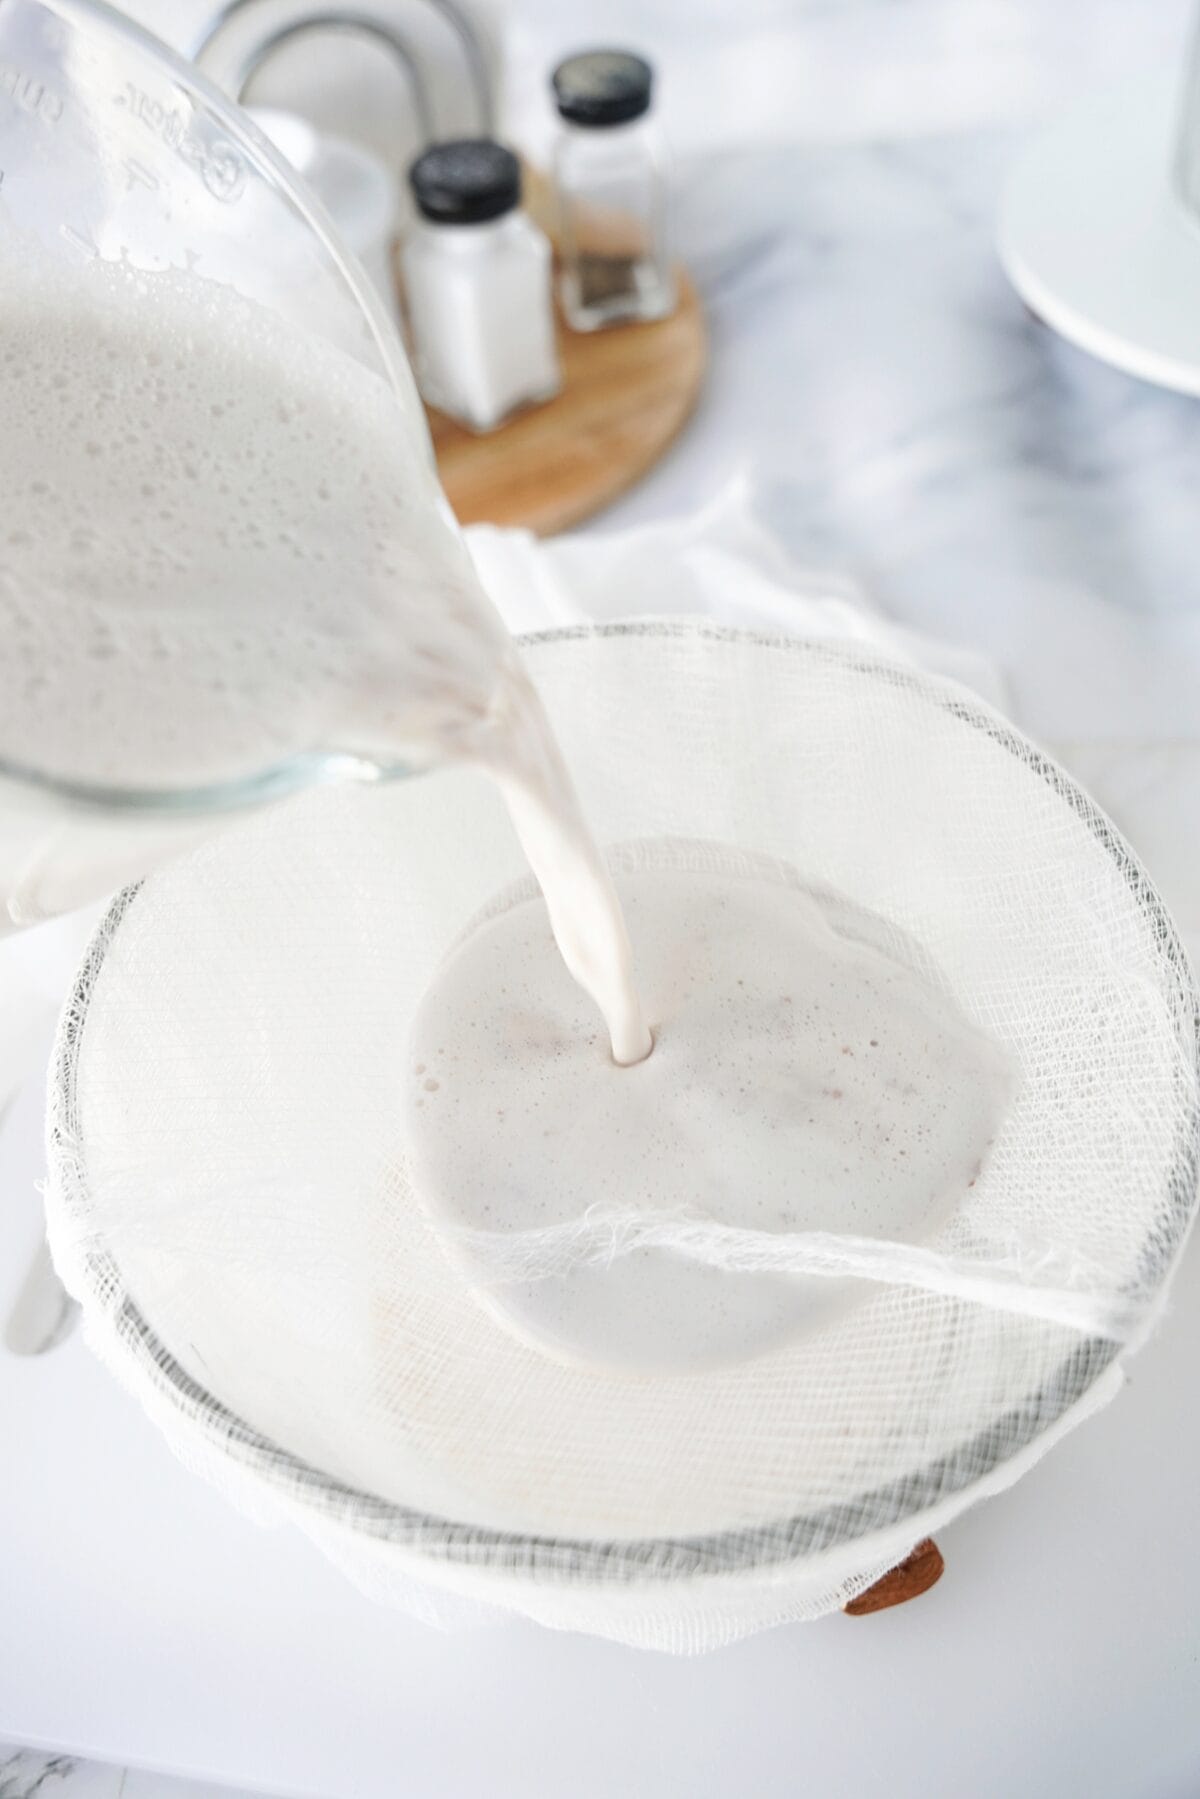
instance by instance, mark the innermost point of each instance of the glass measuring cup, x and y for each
(113, 147)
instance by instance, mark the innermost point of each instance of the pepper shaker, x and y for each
(610, 176)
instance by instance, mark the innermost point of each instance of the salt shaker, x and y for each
(609, 171)
(477, 275)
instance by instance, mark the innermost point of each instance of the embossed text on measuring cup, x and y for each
(31, 94)
(218, 163)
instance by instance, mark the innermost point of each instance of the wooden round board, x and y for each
(626, 393)
(919, 1571)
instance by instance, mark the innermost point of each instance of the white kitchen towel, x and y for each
(720, 562)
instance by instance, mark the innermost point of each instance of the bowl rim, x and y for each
(570, 1561)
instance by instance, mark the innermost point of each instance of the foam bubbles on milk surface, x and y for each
(222, 545)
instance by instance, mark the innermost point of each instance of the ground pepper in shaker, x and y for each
(477, 275)
(609, 172)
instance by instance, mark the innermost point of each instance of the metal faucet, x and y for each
(362, 24)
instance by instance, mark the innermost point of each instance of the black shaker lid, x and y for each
(603, 87)
(466, 181)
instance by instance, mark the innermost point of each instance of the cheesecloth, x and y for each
(229, 1197)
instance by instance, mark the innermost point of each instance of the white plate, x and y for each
(1096, 243)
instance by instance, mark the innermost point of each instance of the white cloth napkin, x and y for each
(24, 1015)
(720, 562)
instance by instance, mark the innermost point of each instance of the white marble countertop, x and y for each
(907, 423)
